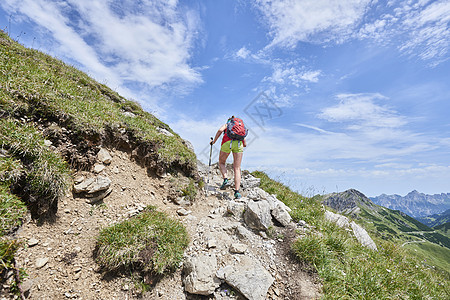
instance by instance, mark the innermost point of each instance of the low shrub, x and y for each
(150, 242)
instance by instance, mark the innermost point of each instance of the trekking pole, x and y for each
(209, 167)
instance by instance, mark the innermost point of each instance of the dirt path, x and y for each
(58, 256)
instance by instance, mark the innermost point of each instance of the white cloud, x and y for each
(417, 28)
(311, 76)
(243, 53)
(148, 42)
(362, 109)
(319, 21)
(292, 74)
(428, 30)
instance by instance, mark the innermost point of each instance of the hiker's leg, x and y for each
(237, 159)
(222, 163)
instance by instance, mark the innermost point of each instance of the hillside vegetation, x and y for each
(351, 271)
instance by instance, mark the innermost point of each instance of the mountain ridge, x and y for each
(414, 203)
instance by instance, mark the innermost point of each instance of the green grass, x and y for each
(190, 191)
(12, 211)
(150, 241)
(8, 249)
(444, 229)
(440, 258)
(351, 271)
(46, 173)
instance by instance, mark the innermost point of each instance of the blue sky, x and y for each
(337, 94)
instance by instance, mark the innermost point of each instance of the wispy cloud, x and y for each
(148, 42)
(318, 21)
(243, 53)
(362, 110)
(289, 73)
(429, 32)
(416, 28)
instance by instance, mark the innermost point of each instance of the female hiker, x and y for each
(234, 133)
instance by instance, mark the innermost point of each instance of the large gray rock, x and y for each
(83, 185)
(362, 236)
(93, 185)
(201, 278)
(360, 233)
(340, 220)
(274, 202)
(257, 215)
(281, 215)
(249, 277)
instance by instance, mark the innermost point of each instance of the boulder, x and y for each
(340, 220)
(362, 236)
(98, 168)
(360, 233)
(281, 215)
(188, 145)
(100, 183)
(257, 215)
(83, 185)
(274, 202)
(200, 275)
(249, 277)
(93, 185)
(164, 131)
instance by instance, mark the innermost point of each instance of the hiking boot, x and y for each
(224, 184)
(237, 195)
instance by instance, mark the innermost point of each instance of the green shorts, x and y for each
(236, 147)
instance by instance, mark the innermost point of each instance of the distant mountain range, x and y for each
(415, 204)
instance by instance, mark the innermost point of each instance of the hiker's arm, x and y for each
(244, 143)
(219, 133)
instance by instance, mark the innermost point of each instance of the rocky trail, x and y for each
(232, 254)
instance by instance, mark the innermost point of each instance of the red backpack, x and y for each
(236, 129)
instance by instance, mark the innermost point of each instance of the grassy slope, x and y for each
(350, 271)
(394, 226)
(444, 229)
(37, 90)
(45, 88)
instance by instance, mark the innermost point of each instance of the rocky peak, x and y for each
(348, 202)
